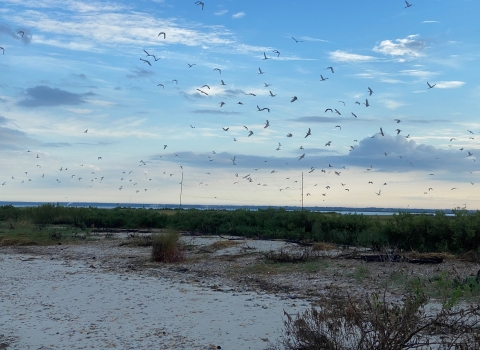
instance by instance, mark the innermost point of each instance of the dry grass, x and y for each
(417, 255)
(224, 244)
(322, 246)
(344, 322)
(167, 248)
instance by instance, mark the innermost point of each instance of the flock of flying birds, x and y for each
(130, 182)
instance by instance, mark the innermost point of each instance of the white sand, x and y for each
(54, 304)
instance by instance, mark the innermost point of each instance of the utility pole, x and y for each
(302, 190)
(181, 190)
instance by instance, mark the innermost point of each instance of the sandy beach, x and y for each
(54, 302)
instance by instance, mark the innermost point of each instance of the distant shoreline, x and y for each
(339, 210)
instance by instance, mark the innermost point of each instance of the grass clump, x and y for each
(373, 322)
(166, 247)
(287, 256)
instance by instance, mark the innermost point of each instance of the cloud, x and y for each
(430, 21)
(342, 56)
(407, 47)
(213, 111)
(392, 104)
(220, 13)
(25, 39)
(3, 120)
(42, 96)
(56, 144)
(238, 15)
(308, 38)
(11, 139)
(140, 73)
(449, 84)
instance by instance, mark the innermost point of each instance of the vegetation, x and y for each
(167, 248)
(420, 232)
(373, 322)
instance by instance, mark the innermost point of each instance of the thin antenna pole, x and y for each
(181, 190)
(302, 190)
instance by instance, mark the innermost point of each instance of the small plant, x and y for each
(167, 248)
(285, 256)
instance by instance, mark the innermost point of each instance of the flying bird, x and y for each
(262, 109)
(164, 35)
(163, 86)
(302, 156)
(328, 144)
(265, 56)
(370, 91)
(397, 120)
(277, 52)
(272, 95)
(85, 131)
(222, 104)
(225, 129)
(294, 98)
(205, 86)
(430, 86)
(338, 126)
(354, 114)
(322, 78)
(309, 132)
(200, 3)
(328, 109)
(191, 65)
(297, 41)
(260, 71)
(222, 82)
(336, 111)
(219, 70)
(381, 132)
(408, 4)
(342, 102)
(203, 92)
(366, 103)
(331, 68)
(175, 80)
(267, 124)
(3, 50)
(250, 133)
(146, 61)
(21, 32)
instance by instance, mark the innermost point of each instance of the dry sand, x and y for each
(51, 301)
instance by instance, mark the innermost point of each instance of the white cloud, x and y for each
(449, 84)
(220, 13)
(392, 104)
(342, 56)
(430, 21)
(238, 15)
(417, 73)
(308, 38)
(407, 47)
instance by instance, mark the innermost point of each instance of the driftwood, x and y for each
(232, 238)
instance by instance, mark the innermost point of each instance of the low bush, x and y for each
(166, 247)
(374, 323)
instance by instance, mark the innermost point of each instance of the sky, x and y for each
(236, 101)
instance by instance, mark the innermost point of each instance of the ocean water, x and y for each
(339, 210)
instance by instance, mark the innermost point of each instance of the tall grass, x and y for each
(166, 247)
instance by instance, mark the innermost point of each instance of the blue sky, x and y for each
(83, 118)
